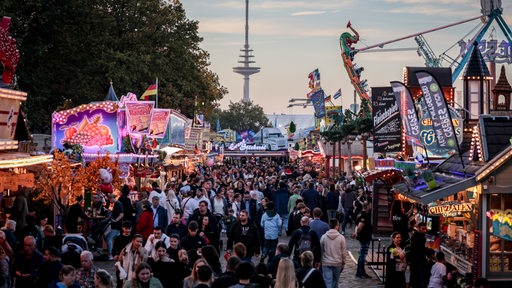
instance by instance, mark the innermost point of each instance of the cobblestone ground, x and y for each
(347, 278)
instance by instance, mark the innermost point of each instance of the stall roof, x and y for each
(447, 185)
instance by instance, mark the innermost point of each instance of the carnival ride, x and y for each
(491, 13)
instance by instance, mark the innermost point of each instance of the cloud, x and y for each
(291, 4)
(452, 2)
(305, 13)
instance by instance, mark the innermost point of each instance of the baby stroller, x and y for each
(72, 247)
(99, 231)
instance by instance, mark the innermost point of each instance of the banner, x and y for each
(439, 112)
(408, 113)
(387, 130)
(139, 116)
(159, 121)
(318, 103)
(333, 113)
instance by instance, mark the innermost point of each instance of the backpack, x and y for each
(304, 243)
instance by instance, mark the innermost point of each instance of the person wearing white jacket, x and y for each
(333, 254)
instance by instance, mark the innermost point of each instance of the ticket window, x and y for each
(500, 250)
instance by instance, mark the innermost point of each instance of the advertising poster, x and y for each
(387, 129)
(176, 130)
(159, 121)
(93, 126)
(139, 116)
(332, 113)
(439, 113)
(318, 103)
(408, 113)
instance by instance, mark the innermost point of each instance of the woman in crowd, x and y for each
(307, 275)
(207, 231)
(209, 253)
(67, 278)
(145, 224)
(285, 277)
(396, 263)
(191, 281)
(172, 203)
(131, 256)
(102, 279)
(162, 265)
(142, 278)
(174, 247)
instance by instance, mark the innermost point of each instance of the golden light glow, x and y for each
(16, 163)
(12, 94)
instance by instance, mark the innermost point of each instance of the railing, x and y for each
(377, 258)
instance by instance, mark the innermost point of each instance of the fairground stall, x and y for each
(19, 164)
(129, 131)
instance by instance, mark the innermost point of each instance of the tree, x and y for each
(243, 115)
(70, 50)
(58, 183)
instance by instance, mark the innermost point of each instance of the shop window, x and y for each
(500, 249)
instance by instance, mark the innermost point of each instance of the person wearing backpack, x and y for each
(363, 233)
(304, 239)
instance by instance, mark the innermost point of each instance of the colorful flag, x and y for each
(439, 113)
(327, 99)
(337, 94)
(314, 80)
(152, 90)
(408, 112)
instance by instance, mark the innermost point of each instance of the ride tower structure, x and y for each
(246, 58)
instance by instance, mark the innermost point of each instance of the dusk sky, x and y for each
(292, 38)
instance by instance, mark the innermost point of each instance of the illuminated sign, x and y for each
(242, 146)
(453, 208)
(93, 126)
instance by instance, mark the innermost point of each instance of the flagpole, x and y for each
(156, 98)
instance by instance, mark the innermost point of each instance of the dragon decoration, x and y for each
(9, 54)
(347, 54)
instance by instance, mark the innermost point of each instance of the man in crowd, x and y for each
(50, 269)
(229, 277)
(250, 205)
(363, 233)
(159, 213)
(247, 233)
(304, 239)
(347, 201)
(311, 197)
(417, 257)
(115, 226)
(85, 275)
(158, 235)
(317, 224)
(333, 254)
(176, 226)
(192, 243)
(27, 263)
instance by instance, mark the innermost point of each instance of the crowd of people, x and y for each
(174, 237)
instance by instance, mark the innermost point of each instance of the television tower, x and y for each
(246, 58)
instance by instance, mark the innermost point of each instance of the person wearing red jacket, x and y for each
(145, 224)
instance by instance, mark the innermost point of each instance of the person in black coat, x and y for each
(176, 226)
(312, 198)
(282, 251)
(49, 271)
(296, 236)
(229, 277)
(250, 205)
(307, 275)
(246, 232)
(75, 212)
(192, 242)
(128, 211)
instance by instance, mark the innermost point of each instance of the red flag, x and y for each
(152, 89)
